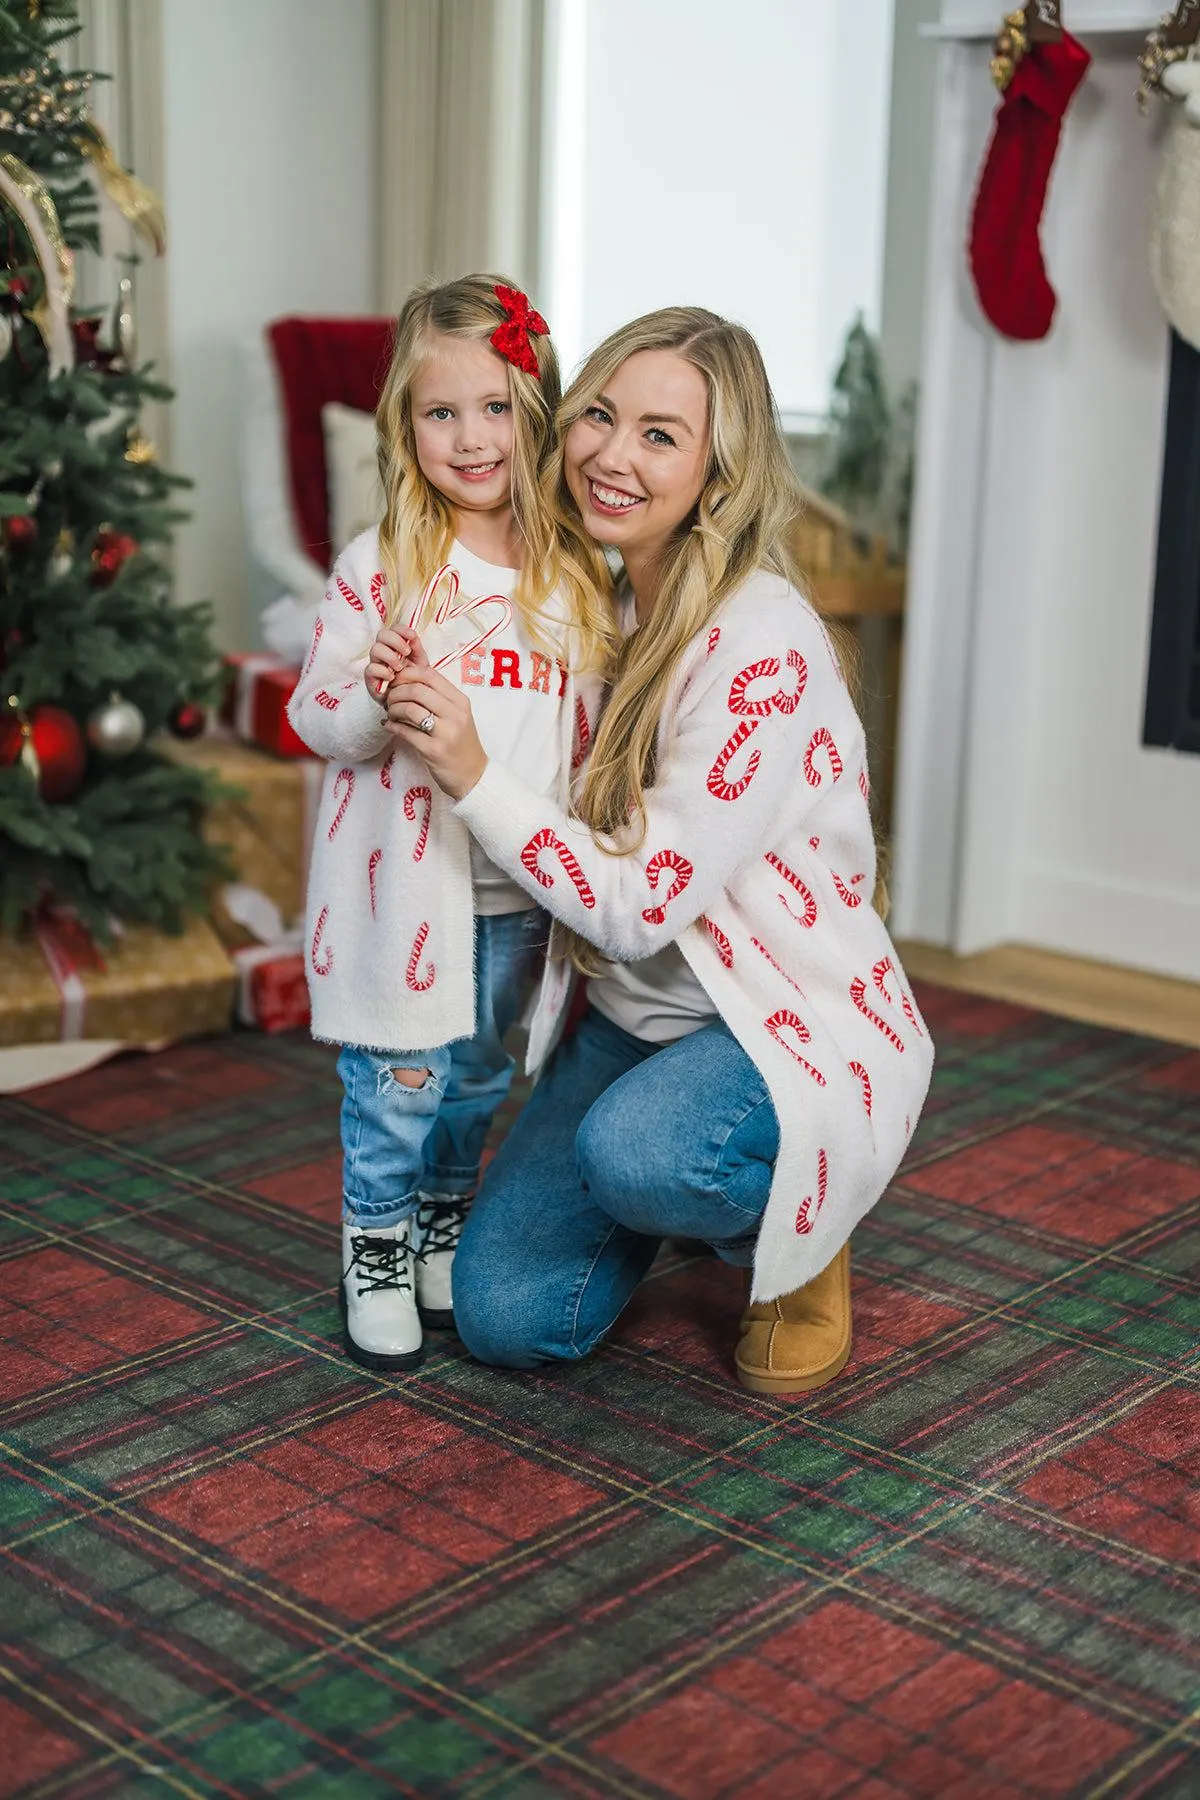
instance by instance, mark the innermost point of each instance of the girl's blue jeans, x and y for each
(623, 1143)
(397, 1140)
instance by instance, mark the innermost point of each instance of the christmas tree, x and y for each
(94, 655)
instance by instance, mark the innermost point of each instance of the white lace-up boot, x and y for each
(381, 1328)
(440, 1220)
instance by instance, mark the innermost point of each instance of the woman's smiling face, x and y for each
(637, 458)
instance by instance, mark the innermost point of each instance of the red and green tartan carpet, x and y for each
(234, 1564)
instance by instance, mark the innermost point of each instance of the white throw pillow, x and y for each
(352, 472)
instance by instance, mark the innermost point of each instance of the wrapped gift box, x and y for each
(260, 686)
(267, 828)
(145, 988)
(272, 988)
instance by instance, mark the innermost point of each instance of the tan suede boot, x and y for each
(802, 1340)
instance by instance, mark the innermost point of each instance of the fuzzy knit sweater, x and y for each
(759, 860)
(390, 913)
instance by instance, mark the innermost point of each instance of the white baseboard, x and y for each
(1142, 928)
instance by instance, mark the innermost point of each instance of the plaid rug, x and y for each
(234, 1564)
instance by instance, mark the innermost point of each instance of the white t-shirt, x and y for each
(657, 999)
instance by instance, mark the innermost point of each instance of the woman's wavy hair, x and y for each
(418, 521)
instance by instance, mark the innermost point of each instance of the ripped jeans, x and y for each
(397, 1140)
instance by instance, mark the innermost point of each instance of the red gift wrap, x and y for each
(260, 686)
(272, 990)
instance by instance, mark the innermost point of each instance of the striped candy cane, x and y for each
(325, 964)
(879, 974)
(373, 862)
(806, 1214)
(545, 839)
(343, 781)
(856, 1068)
(808, 917)
(420, 984)
(785, 1020)
(821, 740)
(718, 787)
(378, 583)
(858, 993)
(724, 947)
(348, 595)
(425, 795)
(681, 874)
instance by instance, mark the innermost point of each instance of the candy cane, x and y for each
(806, 1213)
(373, 862)
(666, 859)
(787, 1020)
(844, 892)
(385, 771)
(821, 740)
(321, 968)
(856, 1068)
(776, 702)
(779, 968)
(718, 787)
(583, 732)
(410, 812)
(326, 699)
(446, 612)
(879, 974)
(318, 631)
(714, 638)
(378, 583)
(858, 992)
(420, 984)
(546, 839)
(343, 779)
(348, 595)
(809, 916)
(724, 947)
(864, 784)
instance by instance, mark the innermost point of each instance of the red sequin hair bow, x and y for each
(511, 338)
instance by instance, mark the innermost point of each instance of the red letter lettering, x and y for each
(505, 662)
(541, 674)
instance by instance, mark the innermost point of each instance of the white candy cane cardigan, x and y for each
(390, 914)
(759, 859)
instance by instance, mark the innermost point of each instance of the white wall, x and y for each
(271, 128)
(726, 156)
(1028, 808)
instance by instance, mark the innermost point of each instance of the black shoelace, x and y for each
(440, 1224)
(382, 1263)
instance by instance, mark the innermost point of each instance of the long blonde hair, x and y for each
(418, 522)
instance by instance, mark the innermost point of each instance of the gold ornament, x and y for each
(140, 450)
(132, 198)
(1012, 41)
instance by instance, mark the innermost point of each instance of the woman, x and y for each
(750, 1065)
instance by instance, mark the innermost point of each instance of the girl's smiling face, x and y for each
(636, 459)
(463, 424)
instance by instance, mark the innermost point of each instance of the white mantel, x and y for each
(1028, 809)
(1083, 18)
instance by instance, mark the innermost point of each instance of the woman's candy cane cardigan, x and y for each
(759, 859)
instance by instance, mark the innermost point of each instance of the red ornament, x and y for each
(110, 553)
(54, 744)
(511, 338)
(20, 531)
(88, 354)
(188, 720)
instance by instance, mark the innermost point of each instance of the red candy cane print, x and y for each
(718, 787)
(343, 782)
(858, 993)
(714, 638)
(378, 583)
(864, 784)
(446, 612)
(779, 701)
(724, 947)
(879, 974)
(856, 1068)
(318, 633)
(323, 966)
(821, 740)
(806, 1213)
(545, 839)
(779, 968)
(410, 812)
(786, 1020)
(385, 771)
(583, 734)
(682, 874)
(348, 595)
(420, 984)
(808, 917)
(324, 698)
(845, 893)
(373, 862)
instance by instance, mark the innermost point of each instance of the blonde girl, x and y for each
(420, 949)
(751, 1064)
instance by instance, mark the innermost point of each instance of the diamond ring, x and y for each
(427, 723)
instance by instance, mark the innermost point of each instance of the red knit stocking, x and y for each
(1005, 250)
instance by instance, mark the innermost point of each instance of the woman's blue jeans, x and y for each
(623, 1143)
(398, 1139)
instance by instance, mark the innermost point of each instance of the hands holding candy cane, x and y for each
(425, 711)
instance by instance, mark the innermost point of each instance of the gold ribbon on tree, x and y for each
(29, 198)
(131, 197)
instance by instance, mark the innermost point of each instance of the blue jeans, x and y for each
(397, 1139)
(622, 1143)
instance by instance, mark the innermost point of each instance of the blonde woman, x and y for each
(751, 1063)
(421, 950)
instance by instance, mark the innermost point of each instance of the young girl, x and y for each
(420, 950)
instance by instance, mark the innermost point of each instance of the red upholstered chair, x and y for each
(289, 373)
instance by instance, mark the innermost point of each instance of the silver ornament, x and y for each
(116, 728)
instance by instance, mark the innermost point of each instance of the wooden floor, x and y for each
(1100, 993)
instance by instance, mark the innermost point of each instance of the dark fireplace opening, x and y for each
(1173, 682)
